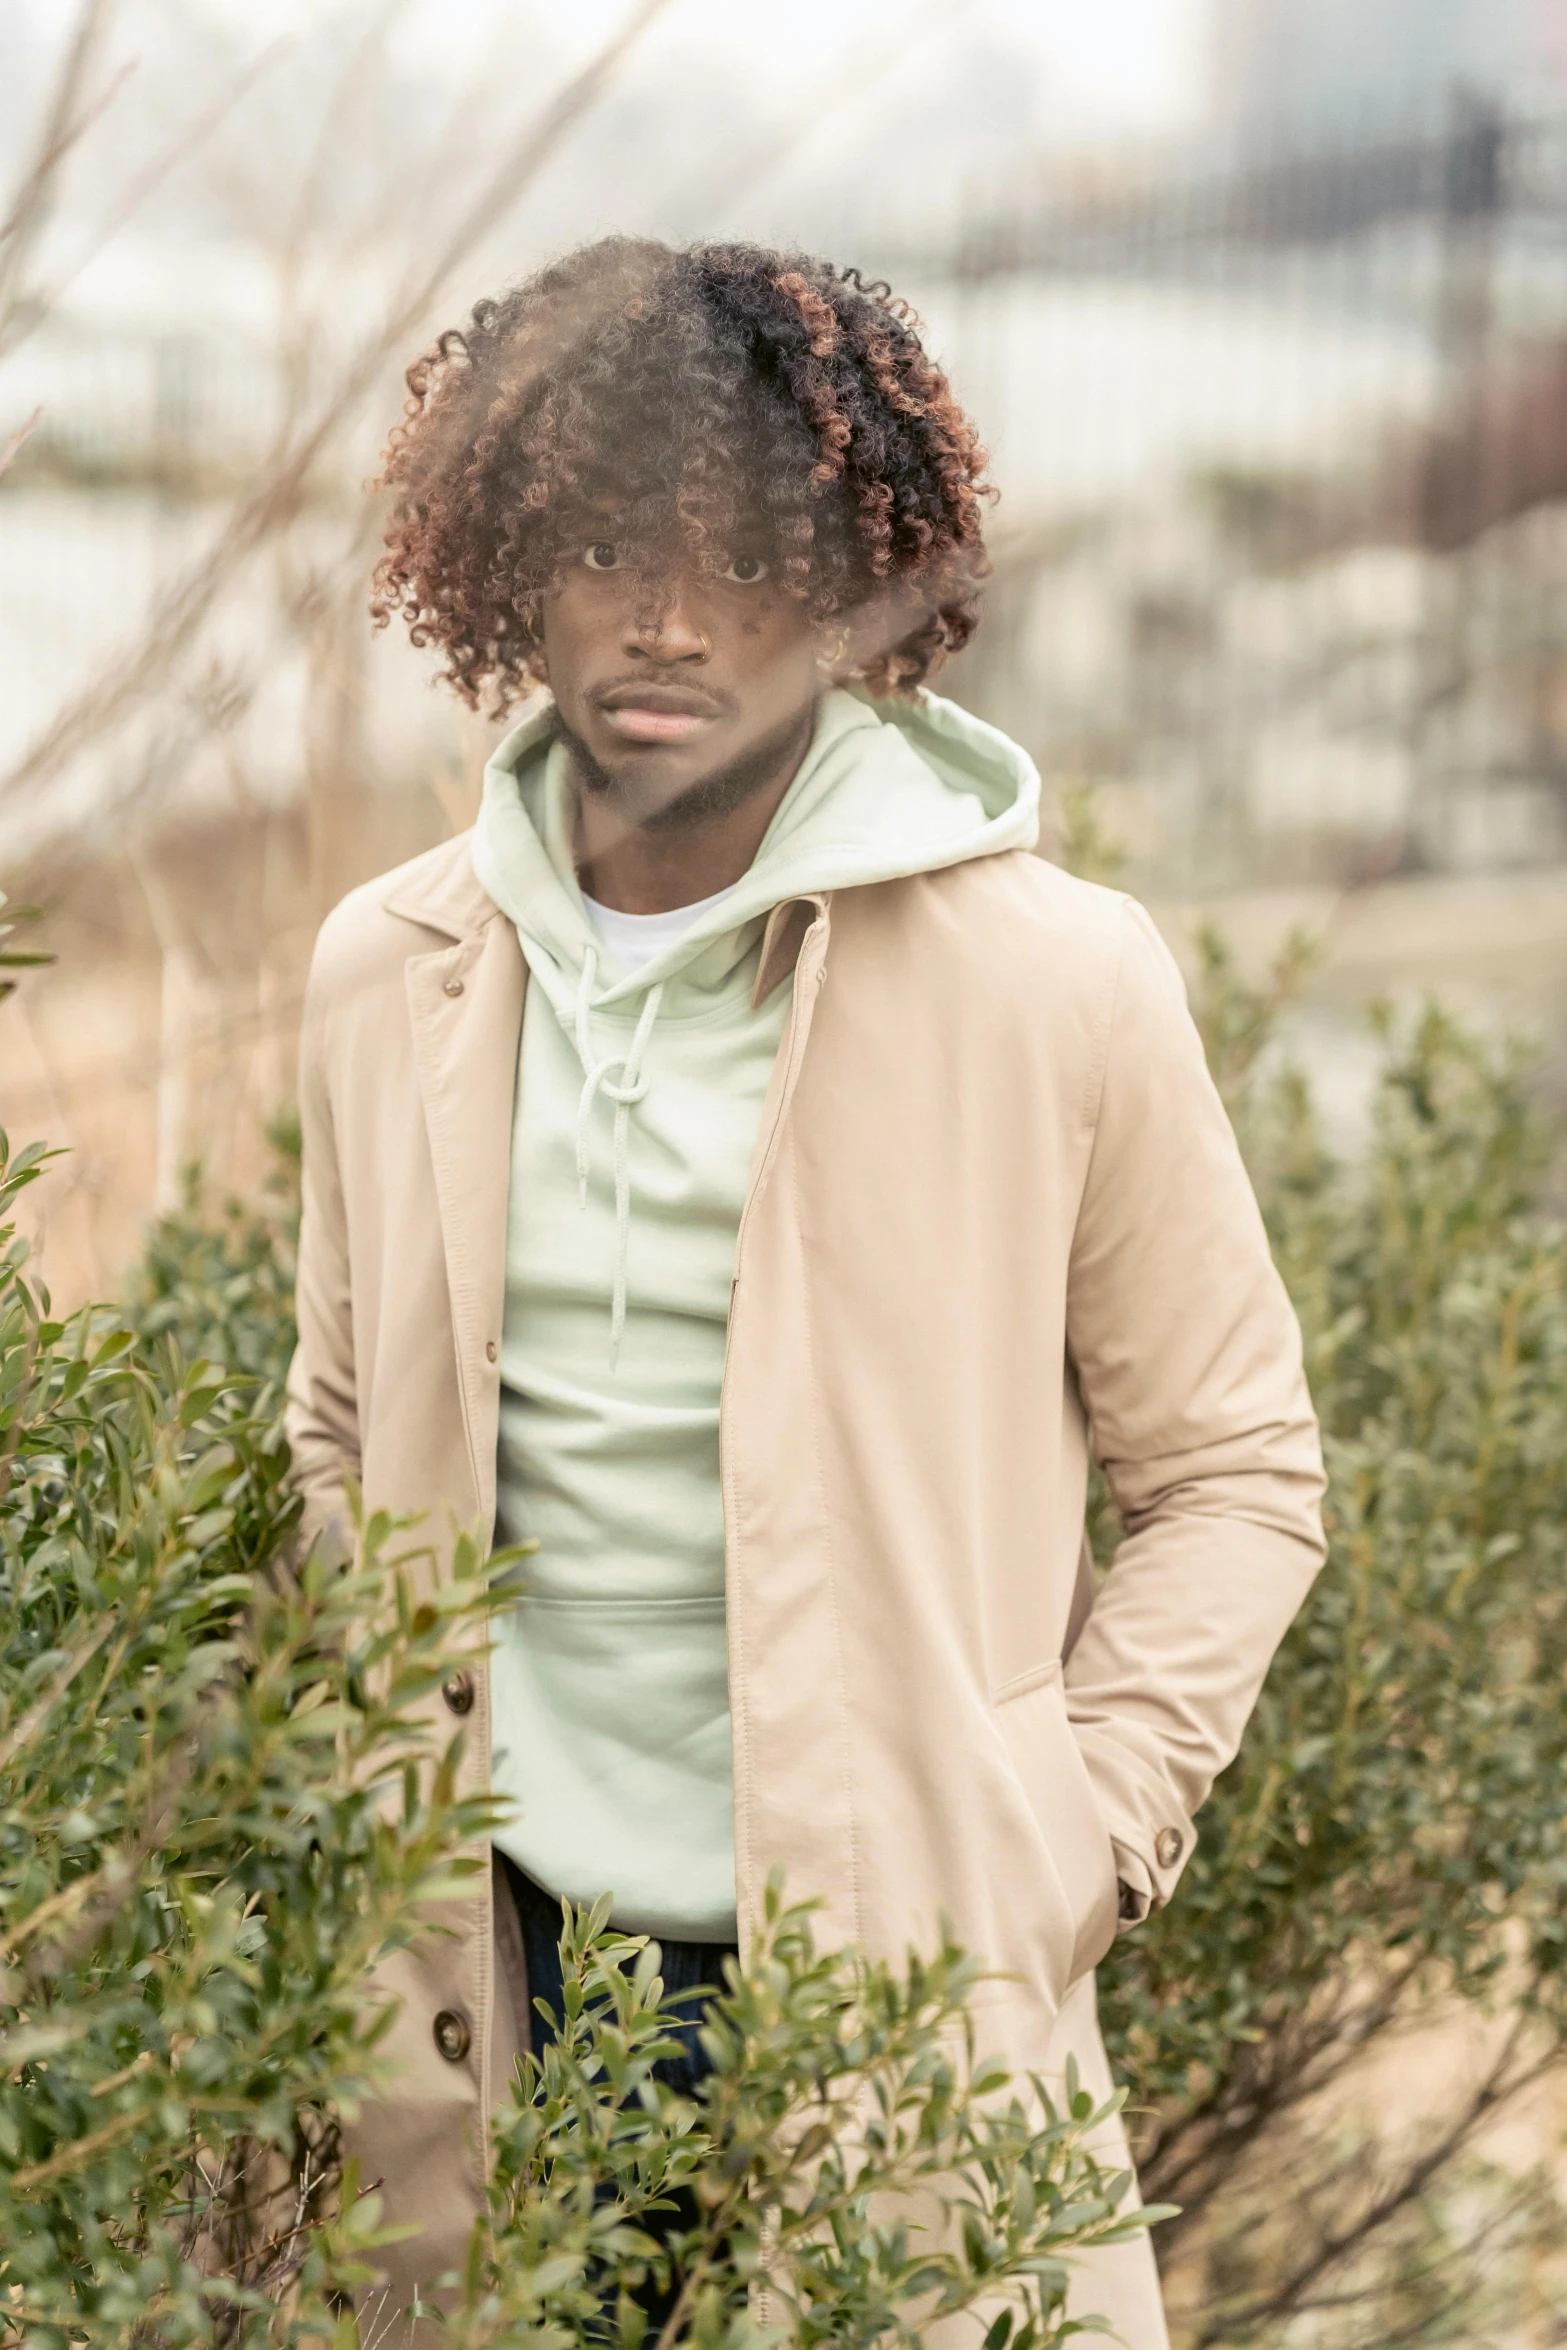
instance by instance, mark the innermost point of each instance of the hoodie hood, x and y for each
(885, 790)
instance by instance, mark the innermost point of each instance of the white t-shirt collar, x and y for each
(633, 940)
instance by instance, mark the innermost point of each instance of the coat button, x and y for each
(1167, 1847)
(458, 1692)
(453, 986)
(452, 2036)
(491, 1350)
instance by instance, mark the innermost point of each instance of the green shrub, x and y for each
(220, 1284)
(1390, 1844)
(840, 2091)
(210, 1821)
(215, 1813)
(1388, 1847)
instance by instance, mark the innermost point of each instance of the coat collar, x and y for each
(442, 892)
(465, 1013)
(787, 925)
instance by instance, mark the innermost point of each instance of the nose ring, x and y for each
(652, 628)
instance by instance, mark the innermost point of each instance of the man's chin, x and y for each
(668, 786)
(642, 778)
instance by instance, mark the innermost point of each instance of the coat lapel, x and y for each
(465, 1007)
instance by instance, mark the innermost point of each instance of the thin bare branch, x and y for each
(64, 123)
(1505, 2080)
(285, 475)
(22, 432)
(849, 81)
(25, 316)
(294, 332)
(20, 1732)
(349, 82)
(1287, 2068)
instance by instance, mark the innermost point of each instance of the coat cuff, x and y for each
(1151, 1832)
(1136, 1889)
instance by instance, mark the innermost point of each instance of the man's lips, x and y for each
(640, 725)
(656, 713)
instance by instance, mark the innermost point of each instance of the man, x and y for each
(746, 1169)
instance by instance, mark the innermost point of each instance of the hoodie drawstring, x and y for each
(618, 1076)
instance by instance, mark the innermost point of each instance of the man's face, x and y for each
(680, 698)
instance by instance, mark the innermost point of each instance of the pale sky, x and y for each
(1131, 64)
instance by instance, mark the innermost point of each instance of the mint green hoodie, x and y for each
(638, 1102)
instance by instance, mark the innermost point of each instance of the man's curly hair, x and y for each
(708, 399)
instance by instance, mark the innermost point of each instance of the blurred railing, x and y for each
(1281, 562)
(1320, 623)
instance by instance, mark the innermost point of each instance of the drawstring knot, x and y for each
(619, 1078)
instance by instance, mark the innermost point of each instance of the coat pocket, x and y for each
(1031, 1713)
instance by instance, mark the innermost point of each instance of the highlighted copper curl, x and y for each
(710, 395)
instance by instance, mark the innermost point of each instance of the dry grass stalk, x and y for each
(285, 475)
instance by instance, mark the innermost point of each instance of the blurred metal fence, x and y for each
(1282, 557)
(1312, 620)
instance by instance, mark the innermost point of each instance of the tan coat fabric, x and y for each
(995, 1202)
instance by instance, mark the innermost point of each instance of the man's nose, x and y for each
(667, 631)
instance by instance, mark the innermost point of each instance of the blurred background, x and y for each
(1261, 306)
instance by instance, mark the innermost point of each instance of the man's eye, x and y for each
(746, 570)
(602, 555)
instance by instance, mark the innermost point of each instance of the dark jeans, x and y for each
(685, 1965)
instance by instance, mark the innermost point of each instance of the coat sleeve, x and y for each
(322, 1418)
(1188, 1356)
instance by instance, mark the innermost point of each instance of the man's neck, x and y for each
(688, 851)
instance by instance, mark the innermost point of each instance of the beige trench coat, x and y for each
(995, 1204)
